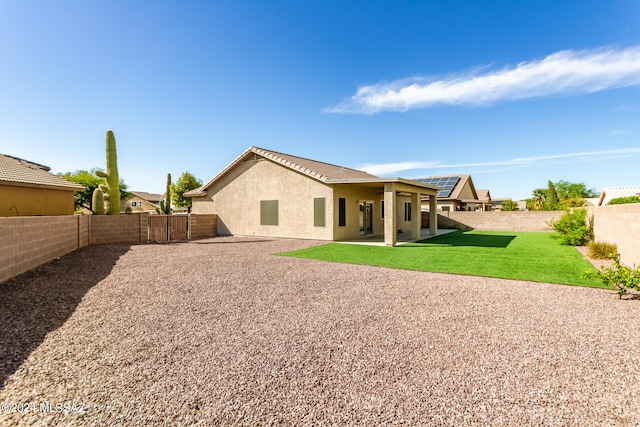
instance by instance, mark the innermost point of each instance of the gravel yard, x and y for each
(220, 332)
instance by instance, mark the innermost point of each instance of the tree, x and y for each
(539, 199)
(560, 196)
(573, 190)
(552, 196)
(509, 205)
(90, 181)
(185, 183)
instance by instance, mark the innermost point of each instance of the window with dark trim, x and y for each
(268, 212)
(342, 212)
(318, 212)
(382, 209)
(407, 211)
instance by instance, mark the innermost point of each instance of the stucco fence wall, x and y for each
(27, 242)
(495, 220)
(619, 224)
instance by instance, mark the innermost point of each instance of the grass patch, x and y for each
(521, 256)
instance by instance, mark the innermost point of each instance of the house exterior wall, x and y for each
(236, 198)
(353, 195)
(18, 200)
(146, 206)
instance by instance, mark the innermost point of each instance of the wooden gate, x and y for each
(164, 228)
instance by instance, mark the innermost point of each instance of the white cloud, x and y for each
(564, 72)
(388, 169)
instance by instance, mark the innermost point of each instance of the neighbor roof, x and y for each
(149, 197)
(452, 185)
(320, 171)
(609, 193)
(16, 171)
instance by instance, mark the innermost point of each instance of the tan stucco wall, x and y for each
(353, 195)
(236, 197)
(146, 206)
(29, 201)
(619, 224)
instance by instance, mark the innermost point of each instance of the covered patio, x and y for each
(392, 188)
(401, 238)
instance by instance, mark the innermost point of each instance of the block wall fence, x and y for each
(27, 242)
(619, 224)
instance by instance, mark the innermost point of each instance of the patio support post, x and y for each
(416, 217)
(433, 214)
(390, 213)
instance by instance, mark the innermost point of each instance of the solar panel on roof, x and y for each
(446, 182)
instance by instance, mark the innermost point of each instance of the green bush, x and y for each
(602, 250)
(617, 276)
(573, 228)
(624, 200)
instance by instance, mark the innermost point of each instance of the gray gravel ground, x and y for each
(220, 332)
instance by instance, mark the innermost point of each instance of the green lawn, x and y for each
(524, 256)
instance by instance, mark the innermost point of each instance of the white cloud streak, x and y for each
(563, 72)
(388, 169)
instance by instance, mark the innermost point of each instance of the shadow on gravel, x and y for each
(41, 300)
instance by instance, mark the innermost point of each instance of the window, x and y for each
(382, 209)
(268, 212)
(407, 211)
(134, 204)
(318, 212)
(342, 212)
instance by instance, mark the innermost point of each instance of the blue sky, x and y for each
(514, 93)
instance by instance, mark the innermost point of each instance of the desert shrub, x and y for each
(624, 200)
(573, 228)
(621, 278)
(602, 250)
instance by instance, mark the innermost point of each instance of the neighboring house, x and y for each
(139, 201)
(496, 204)
(29, 189)
(266, 193)
(458, 193)
(609, 193)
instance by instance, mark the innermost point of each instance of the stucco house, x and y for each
(140, 201)
(267, 193)
(609, 193)
(29, 189)
(457, 194)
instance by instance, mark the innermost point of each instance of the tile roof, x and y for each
(18, 171)
(320, 171)
(609, 193)
(149, 197)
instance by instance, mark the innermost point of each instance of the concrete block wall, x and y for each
(203, 225)
(27, 242)
(130, 228)
(619, 224)
(499, 220)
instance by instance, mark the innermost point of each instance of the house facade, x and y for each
(29, 189)
(266, 193)
(458, 193)
(139, 201)
(610, 193)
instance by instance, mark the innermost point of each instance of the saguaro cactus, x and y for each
(112, 189)
(167, 203)
(97, 202)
